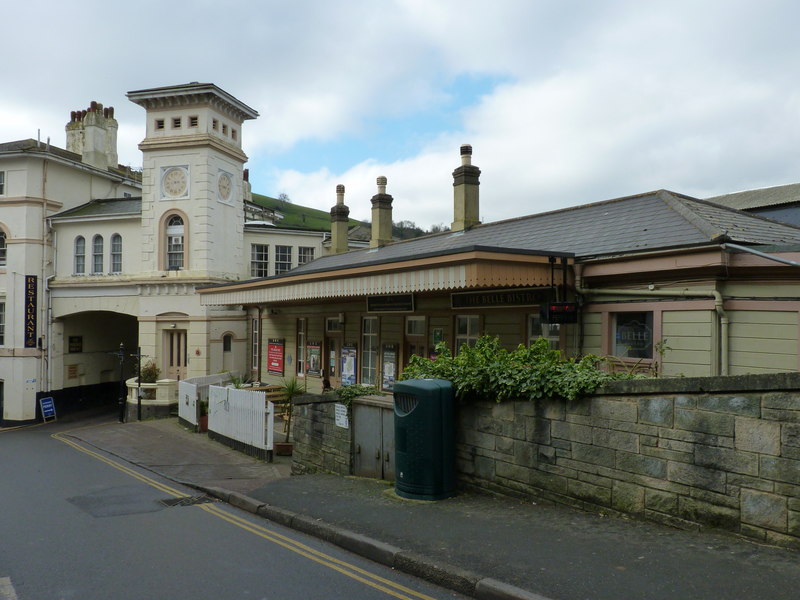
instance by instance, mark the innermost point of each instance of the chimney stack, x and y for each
(381, 216)
(92, 133)
(340, 219)
(466, 180)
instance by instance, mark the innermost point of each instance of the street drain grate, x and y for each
(186, 501)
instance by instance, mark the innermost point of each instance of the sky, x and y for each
(565, 102)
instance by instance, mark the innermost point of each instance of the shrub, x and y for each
(150, 372)
(486, 370)
(347, 393)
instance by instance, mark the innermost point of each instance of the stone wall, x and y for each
(319, 444)
(723, 452)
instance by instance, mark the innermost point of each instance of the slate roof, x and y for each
(31, 145)
(652, 221)
(762, 198)
(109, 207)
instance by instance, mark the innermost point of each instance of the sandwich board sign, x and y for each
(48, 408)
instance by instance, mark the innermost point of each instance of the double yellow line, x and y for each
(349, 570)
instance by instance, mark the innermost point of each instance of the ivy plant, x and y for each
(487, 370)
(347, 393)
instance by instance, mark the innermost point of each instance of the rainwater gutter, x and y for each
(685, 293)
(785, 261)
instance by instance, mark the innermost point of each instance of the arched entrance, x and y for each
(87, 363)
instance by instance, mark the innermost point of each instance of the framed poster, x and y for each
(389, 366)
(314, 358)
(275, 349)
(348, 370)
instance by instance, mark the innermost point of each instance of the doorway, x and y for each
(175, 354)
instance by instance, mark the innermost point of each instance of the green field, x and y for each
(296, 216)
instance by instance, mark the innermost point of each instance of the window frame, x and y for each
(2, 183)
(98, 249)
(169, 252)
(2, 322)
(301, 336)
(370, 350)
(3, 248)
(644, 354)
(282, 266)
(259, 260)
(472, 334)
(79, 258)
(301, 260)
(536, 329)
(115, 258)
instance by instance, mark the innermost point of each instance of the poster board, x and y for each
(349, 360)
(389, 371)
(314, 358)
(275, 356)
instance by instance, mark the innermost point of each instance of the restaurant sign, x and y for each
(31, 298)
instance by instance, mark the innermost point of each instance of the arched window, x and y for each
(116, 253)
(80, 255)
(174, 243)
(97, 254)
(227, 342)
(2, 248)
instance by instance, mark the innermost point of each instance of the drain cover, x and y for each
(186, 501)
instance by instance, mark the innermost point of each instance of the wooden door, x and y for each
(175, 354)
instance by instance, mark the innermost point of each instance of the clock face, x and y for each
(174, 182)
(224, 184)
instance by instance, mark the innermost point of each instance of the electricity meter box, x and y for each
(424, 429)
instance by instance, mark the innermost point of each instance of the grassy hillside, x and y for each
(296, 216)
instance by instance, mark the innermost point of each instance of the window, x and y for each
(304, 255)
(466, 330)
(334, 324)
(214, 124)
(116, 253)
(176, 122)
(193, 121)
(283, 259)
(234, 133)
(97, 254)
(2, 248)
(369, 357)
(259, 260)
(2, 183)
(538, 328)
(633, 334)
(80, 255)
(415, 325)
(256, 344)
(227, 342)
(159, 124)
(174, 243)
(224, 129)
(2, 323)
(301, 346)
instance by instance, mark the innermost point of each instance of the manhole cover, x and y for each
(186, 501)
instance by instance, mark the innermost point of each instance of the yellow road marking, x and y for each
(370, 579)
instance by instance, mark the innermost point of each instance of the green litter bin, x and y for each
(424, 430)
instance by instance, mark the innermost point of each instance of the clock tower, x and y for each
(192, 190)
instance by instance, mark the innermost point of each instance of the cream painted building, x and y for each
(94, 256)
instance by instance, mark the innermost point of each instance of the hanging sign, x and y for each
(275, 349)
(31, 298)
(393, 303)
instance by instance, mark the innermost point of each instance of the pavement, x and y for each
(485, 546)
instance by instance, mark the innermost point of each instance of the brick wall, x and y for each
(723, 452)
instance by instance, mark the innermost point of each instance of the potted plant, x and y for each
(290, 388)
(149, 373)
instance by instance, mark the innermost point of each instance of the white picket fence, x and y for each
(194, 390)
(242, 415)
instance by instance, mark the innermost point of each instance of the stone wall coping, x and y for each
(764, 382)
